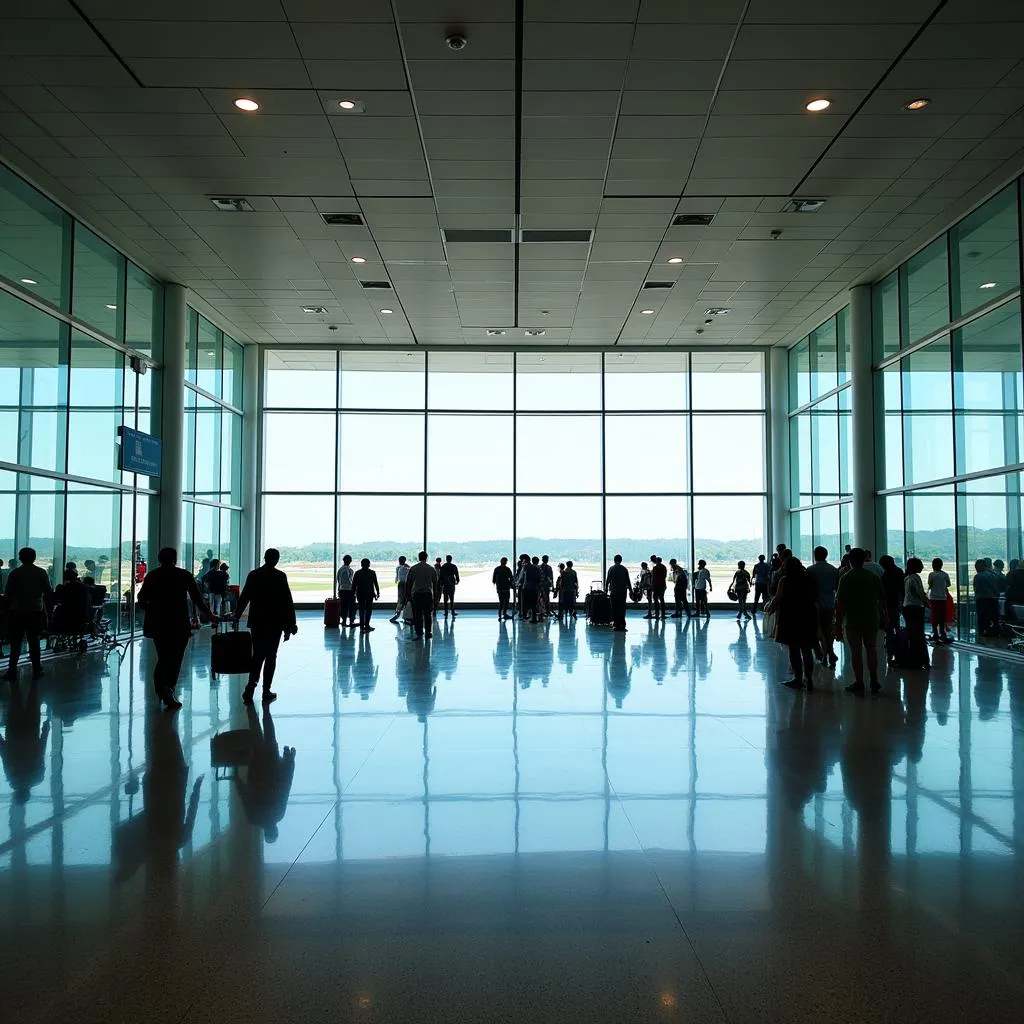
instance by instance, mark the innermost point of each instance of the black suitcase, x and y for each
(599, 608)
(230, 652)
(900, 649)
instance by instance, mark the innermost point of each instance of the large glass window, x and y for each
(727, 380)
(144, 312)
(298, 451)
(537, 472)
(476, 532)
(646, 380)
(470, 380)
(743, 471)
(556, 381)
(650, 452)
(381, 452)
(382, 380)
(925, 292)
(98, 285)
(927, 424)
(469, 452)
(298, 379)
(986, 251)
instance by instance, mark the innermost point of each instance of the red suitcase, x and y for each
(332, 613)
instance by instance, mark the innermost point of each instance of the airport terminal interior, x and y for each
(489, 278)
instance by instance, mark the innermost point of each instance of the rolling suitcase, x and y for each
(599, 608)
(230, 653)
(232, 749)
(332, 613)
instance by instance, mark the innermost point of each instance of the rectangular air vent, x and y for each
(531, 235)
(375, 284)
(804, 205)
(231, 204)
(658, 284)
(692, 220)
(314, 309)
(474, 235)
(342, 219)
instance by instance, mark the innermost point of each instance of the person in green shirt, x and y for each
(860, 614)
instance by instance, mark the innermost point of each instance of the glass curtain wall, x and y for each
(949, 396)
(73, 312)
(577, 455)
(212, 467)
(819, 439)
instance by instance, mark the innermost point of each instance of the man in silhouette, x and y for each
(449, 574)
(401, 575)
(659, 584)
(26, 591)
(346, 595)
(364, 582)
(164, 597)
(533, 580)
(419, 585)
(761, 573)
(617, 584)
(503, 581)
(271, 614)
(547, 582)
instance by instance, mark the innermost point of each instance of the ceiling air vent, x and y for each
(475, 235)
(351, 220)
(692, 220)
(657, 284)
(314, 309)
(804, 205)
(230, 204)
(376, 284)
(531, 235)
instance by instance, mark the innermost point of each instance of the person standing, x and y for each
(164, 596)
(860, 613)
(346, 595)
(643, 587)
(420, 586)
(437, 584)
(617, 584)
(680, 586)
(503, 581)
(449, 573)
(26, 591)
(659, 584)
(826, 578)
(797, 621)
(217, 586)
(938, 596)
(568, 592)
(271, 614)
(367, 590)
(741, 588)
(914, 603)
(871, 565)
(894, 587)
(701, 586)
(401, 574)
(761, 573)
(533, 578)
(986, 599)
(547, 583)
(520, 580)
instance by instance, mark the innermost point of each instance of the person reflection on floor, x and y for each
(23, 748)
(364, 670)
(165, 825)
(618, 673)
(988, 687)
(740, 650)
(502, 657)
(805, 752)
(267, 784)
(568, 644)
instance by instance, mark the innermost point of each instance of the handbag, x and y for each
(731, 594)
(950, 608)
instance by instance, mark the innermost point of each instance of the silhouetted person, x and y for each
(346, 595)
(893, 586)
(860, 613)
(367, 590)
(503, 581)
(680, 587)
(617, 584)
(26, 592)
(73, 611)
(796, 623)
(23, 749)
(826, 576)
(741, 588)
(659, 584)
(401, 575)
(268, 781)
(164, 597)
(533, 580)
(420, 585)
(568, 592)
(271, 615)
(701, 586)
(449, 573)
(915, 601)
(761, 573)
(547, 583)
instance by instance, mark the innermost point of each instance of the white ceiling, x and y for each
(629, 111)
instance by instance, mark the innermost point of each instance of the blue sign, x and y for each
(140, 453)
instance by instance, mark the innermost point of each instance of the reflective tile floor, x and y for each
(534, 823)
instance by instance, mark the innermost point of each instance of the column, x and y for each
(778, 425)
(250, 455)
(172, 422)
(862, 418)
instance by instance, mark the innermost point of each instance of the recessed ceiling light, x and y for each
(111, 306)
(387, 312)
(494, 332)
(647, 312)
(244, 103)
(358, 259)
(28, 280)
(919, 104)
(676, 259)
(319, 310)
(988, 284)
(347, 104)
(534, 334)
(716, 311)
(209, 353)
(818, 105)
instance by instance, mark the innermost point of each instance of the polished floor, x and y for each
(516, 823)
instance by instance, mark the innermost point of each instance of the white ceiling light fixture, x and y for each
(232, 204)
(716, 311)
(675, 259)
(314, 309)
(110, 305)
(804, 205)
(816, 106)
(352, 106)
(987, 285)
(386, 312)
(647, 312)
(534, 333)
(246, 104)
(919, 104)
(358, 259)
(494, 332)
(28, 280)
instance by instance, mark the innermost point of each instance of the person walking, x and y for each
(401, 574)
(569, 590)
(680, 586)
(659, 584)
(217, 587)
(741, 588)
(533, 579)
(826, 579)
(701, 586)
(26, 592)
(364, 583)
(938, 599)
(346, 594)
(617, 584)
(164, 597)
(860, 613)
(503, 581)
(796, 627)
(271, 615)
(420, 585)
(760, 573)
(449, 574)
(914, 603)
(986, 599)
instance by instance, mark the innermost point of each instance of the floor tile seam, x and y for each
(671, 906)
